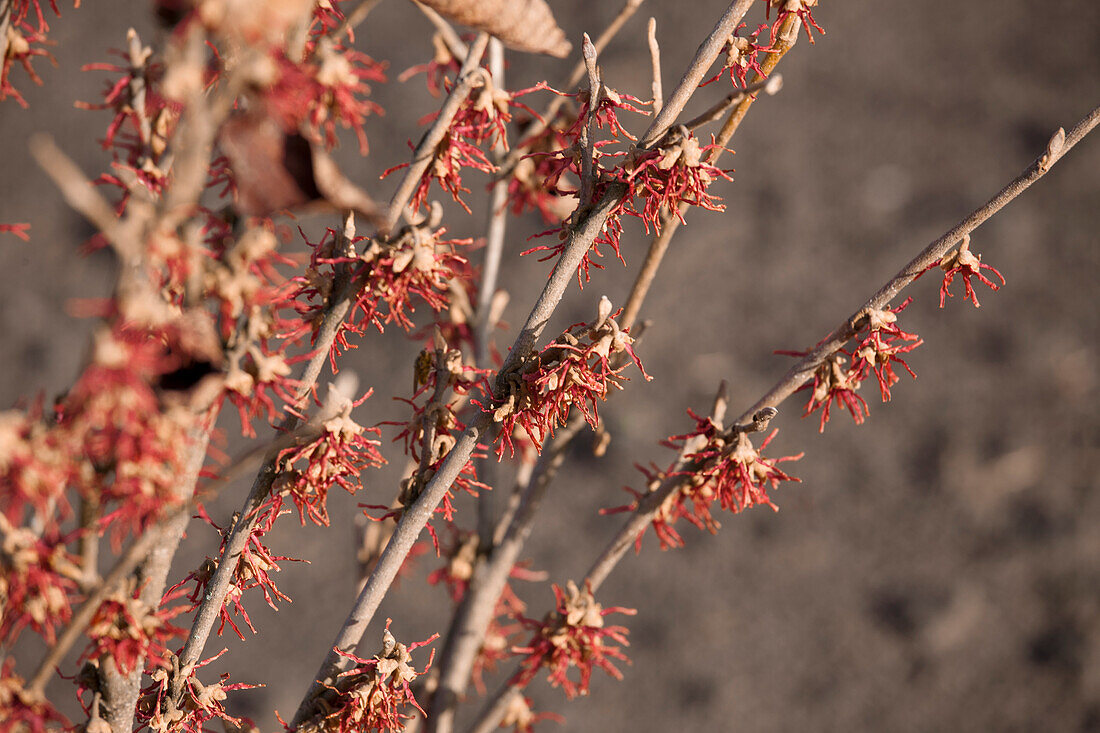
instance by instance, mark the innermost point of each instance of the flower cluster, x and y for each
(327, 89)
(532, 185)
(199, 704)
(24, 42)
(431, 431)
(553, 165)
(800, 10)
(21, 711)
(879, 347)
(575, 370)
(37, 578)
(964, 262)
(387, 278)
(674, 174)
(573, 636)
(253, 570)
(742, 56)
(375, 694)
(879, 344)
(143, 120)
(480, 122)
(715, 466)
(338, 454)
(125, 630)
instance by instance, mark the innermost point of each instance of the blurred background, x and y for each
(939, 566)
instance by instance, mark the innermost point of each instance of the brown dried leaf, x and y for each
(275, 171)
(525, 25)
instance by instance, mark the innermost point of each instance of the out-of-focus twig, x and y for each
(655, 63)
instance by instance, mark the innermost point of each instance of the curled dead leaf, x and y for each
(525, 25)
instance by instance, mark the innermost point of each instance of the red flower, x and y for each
(200, 703)
(879, 350)
(328, 88)
(573, 636)
(337, 456)
(742, 57)
(37, 579)
(675, 173)
(131, 633)
(375, 694)
(19, 711)
(19, 230)
(388, 277)
(964, 262)
(533, 184)
(253, 570)
(569, 372)
(23, 44)
(798, 8)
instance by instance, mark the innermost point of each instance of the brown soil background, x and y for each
(938, 569)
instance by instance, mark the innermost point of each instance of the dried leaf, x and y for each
(274, 171)
(525, 25)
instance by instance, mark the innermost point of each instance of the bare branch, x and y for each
(804, 369)
(494, 251)
(450, 36)
(655, 62)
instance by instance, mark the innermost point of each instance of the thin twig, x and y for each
(587, 140)
(655, 63)
(771, 86)
(496, 226)
(450, 36)
(704, 56)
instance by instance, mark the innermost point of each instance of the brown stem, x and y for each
(587, 140)
(704, 56)
(497, 218)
